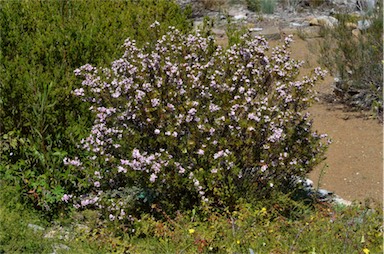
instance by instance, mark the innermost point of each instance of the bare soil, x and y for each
(354, 165)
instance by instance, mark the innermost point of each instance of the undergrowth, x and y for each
(322, 228)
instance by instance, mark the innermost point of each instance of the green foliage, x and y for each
(356, 60)
(268, 6)
(260, 228)
(253, 5)
(234, 32)
(41, 43)
(263, 6)
(203, 125)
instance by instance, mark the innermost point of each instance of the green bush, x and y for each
(268, 6)
(41, 43)
(186, 123)
(356, 61)
(264, 6)
(253, 5)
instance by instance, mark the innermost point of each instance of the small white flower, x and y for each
(153, 178)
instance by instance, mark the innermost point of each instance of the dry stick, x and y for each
(296, 237)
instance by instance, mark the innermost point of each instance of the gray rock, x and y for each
(324, 193)
(240, 17)
(365, 5)
(294, 24)
(327, 21)
(35, 228)
(59, 246)
(364, 24)
(339, 201)
(255, 29)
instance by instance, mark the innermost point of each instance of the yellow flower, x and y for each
(263, 210)
(366, 251)
(238, 241)
(191, 231)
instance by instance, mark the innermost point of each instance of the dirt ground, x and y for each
(354, 165)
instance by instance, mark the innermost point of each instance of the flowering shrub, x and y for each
(185, 122)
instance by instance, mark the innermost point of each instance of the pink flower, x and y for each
(66, 198)
(153, 178)
(200, 152)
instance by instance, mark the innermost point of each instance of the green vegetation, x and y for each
(42, 43)
(218, 175)
(263, 6)
(263, 229)
(355, 59)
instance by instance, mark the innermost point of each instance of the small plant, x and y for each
(188, 123)
(356, 61)
(253, 5)
(268, 6)
(213, 4)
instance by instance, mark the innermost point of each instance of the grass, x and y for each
(321, 228)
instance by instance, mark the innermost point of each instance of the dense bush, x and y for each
(41, 43)
(356, 60)
(185, 122)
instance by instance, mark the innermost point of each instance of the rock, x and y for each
(255, 29)
(324, 195)
(339, 201)
(365, 5)
(356, 32)
(364, 24)
(294, 24)
(350, 25)
(240, 17)
(326, 21)
(36, 227)
(350, 4)
(314, 22)
(59, 246)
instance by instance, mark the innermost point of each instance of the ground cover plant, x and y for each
(249, 229)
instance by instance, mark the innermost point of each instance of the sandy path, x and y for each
(354, 165)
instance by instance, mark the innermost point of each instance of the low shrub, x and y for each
(355, 59)
(185, 123)
(253, 5)
(268, 6)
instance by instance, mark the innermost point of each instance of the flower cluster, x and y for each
(187, 118)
